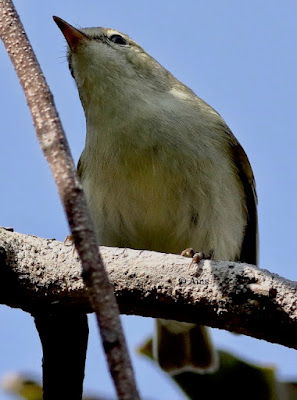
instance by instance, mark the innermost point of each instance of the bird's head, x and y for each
(107, 63)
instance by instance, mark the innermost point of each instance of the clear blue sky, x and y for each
(239, 56)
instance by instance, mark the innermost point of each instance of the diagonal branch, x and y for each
(55, 147)
(40, 273)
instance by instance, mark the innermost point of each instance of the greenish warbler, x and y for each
(161, 170)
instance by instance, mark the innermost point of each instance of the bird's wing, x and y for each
(80, 167)
(250, 245)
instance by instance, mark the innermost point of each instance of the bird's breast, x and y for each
(156, 199)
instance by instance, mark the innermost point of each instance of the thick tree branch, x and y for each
(55, 147)
(37, 273)
(63, 333)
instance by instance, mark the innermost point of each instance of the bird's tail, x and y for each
(179, 347)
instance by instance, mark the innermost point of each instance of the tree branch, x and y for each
(41, 273)
(64, 333)
(56, 150)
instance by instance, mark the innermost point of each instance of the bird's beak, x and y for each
(73, 36)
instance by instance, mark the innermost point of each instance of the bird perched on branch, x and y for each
(161, 170)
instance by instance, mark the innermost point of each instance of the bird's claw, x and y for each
(197, 257)
(70, 242)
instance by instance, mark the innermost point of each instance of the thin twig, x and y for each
(55, 147)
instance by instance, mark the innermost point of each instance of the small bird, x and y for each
(161, 170)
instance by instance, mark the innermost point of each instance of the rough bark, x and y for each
(38, 274)
(54, 144)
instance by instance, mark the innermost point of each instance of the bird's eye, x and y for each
(118, 39)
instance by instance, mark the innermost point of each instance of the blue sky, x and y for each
(241, 58)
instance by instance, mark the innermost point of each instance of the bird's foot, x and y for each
(197, 257)
(70, 242)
